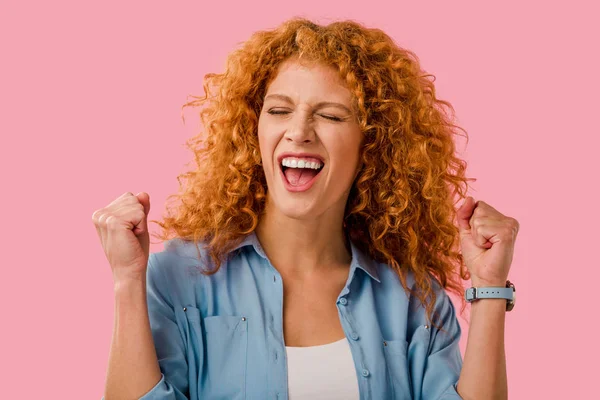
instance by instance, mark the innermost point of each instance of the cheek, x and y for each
(344, 148)
(347, 156)
(266, 146)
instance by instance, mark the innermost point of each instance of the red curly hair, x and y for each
(406, 220)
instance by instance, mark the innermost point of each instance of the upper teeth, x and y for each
(300, 163)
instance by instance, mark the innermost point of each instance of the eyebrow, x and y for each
(318, 105)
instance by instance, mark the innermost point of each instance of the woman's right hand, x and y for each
(123, 230)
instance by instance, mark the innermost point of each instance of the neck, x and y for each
(304, 248)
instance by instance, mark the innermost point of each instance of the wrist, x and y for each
(494, 290)
(128, 285)
(483, 283)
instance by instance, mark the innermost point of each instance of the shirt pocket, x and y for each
(396, 358)
(194, 348)
(417, 353)
(226, 349)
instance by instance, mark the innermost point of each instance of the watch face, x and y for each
(511, 303)
(470, 294)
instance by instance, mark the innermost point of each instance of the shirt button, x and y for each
(243, 318)
(184, 308)
(354, 336)
(343, 301)
(365, 372)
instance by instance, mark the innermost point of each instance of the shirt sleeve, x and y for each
(444, 360)
(168, 342)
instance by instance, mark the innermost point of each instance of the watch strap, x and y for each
(508, 292)
(475, 293)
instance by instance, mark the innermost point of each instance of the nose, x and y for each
(300, 130)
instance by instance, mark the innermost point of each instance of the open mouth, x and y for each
(299, 177)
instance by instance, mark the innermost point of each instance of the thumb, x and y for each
(141, 230)
(144, 199)
(464, 214)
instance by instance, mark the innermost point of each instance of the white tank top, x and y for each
(324, 372)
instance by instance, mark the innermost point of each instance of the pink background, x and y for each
(90, 100)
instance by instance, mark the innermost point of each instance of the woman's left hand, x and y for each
(487, 241)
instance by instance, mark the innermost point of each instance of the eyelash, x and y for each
(336, 119)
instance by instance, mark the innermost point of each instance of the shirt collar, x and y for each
(359, 258)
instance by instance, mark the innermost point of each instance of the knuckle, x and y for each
(95, 215)
(131, 201)
(99, 217)
(109, 220)
(512, 225)
(515, 224)
(139, 214)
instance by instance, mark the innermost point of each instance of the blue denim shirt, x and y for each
(221, 336)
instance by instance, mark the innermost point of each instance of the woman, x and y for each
(309, 251)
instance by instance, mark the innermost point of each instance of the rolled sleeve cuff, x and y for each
(161, 391)
(451, 393)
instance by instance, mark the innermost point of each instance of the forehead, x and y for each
(310, 79)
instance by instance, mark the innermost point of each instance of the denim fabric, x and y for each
(221, 336)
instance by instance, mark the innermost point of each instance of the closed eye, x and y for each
(332, 118)
(275, 112)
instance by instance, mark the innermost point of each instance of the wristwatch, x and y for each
(490, 292)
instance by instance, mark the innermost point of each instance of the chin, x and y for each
(296, 209)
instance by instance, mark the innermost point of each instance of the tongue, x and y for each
(299, 176)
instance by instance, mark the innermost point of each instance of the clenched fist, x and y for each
(123, 230)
